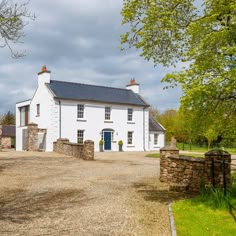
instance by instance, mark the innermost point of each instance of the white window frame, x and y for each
(130, 114)
(80, 111)
(107, 113)
(80, 136)
(155, 139)
(130, 138)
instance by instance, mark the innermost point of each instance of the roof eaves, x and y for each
(100, 101)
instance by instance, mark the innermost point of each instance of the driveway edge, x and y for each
(172, 222)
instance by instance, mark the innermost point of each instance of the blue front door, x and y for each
(107, 140)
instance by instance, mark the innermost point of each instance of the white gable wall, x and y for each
(49, 114)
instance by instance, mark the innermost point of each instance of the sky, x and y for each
(79, 41)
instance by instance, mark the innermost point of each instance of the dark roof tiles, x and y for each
(155, 126)
(77, 91)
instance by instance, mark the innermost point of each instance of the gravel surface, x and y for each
(53, 194)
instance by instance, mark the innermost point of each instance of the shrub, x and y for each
(101, 142)
(120, 142)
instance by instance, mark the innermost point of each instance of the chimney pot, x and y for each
(44, 68)
(132, 81)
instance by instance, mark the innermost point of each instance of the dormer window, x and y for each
(38, 109)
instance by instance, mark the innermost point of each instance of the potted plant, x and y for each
(120, 143)
(101, 142)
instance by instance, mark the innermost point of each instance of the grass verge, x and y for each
(211, 213)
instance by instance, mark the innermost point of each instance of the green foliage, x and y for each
(120, 142)
(211, 135)
(101, 142)
(8, 119)
(214, 198)
(172, 30)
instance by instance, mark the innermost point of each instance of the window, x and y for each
(38, 109)
(155, 139)
(130, 114)
(107, 113)
(80, 136)
(130, 138)
(24, 116)
(80, 111)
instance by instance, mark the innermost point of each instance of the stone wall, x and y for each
(84, 151)
(32, 141)
(6, 142)
(189, 173)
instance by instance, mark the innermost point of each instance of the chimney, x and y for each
(44, 76)
(133, 86)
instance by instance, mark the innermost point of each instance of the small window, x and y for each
(80, 111)
(38, 109)
(130, 114)
(80, 136)
(155, 139)
(107, 113)
(130, 138)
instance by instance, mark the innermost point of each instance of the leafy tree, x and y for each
(211, 135)
(13, 18)
(174, 31)
(8, 119)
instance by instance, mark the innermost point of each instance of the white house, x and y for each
(81, 111)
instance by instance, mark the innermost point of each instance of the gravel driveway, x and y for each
(53, 194)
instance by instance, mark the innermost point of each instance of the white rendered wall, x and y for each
(19, 129)
(94, 122)
(161, 141)
(49, 114)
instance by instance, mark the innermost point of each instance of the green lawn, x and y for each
(196, 219)
(196, 148)
(207, 214)
(153, 155)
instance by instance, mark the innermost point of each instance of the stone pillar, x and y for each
(88, 150)
(214, 176)
(60, 144)
(32, 137)
(165, 154)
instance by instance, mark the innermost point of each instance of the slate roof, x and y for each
(9, 130)
(155, 126)
(77, 91)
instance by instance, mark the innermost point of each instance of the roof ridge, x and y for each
(101, 86)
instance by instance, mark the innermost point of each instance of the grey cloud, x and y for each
(78, 41)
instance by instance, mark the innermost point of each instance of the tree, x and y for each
(13, 18)
(8, 119)
(174, 31)
(210, 135)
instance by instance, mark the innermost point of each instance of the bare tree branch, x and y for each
(13, 18)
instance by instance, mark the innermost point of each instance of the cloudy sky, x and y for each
(78, 40)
